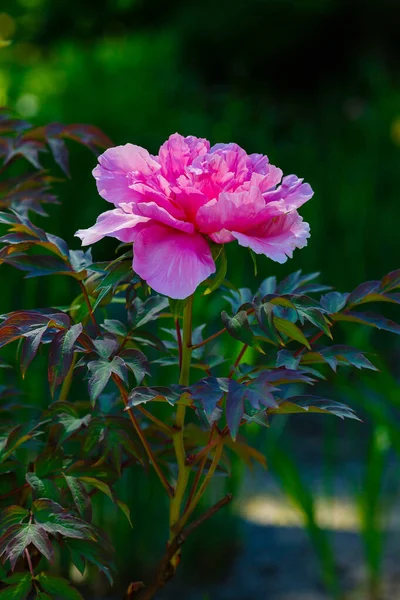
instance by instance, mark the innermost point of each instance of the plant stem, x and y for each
(206, 481)
(159, 424)
(164, 571)
(179, 340)
(29, 561)
(237, 361)
(209, 339)
(90, 308)
(147, 447)
(178, 436)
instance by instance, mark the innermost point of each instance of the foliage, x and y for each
(53, 462)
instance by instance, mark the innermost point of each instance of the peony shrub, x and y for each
(132, 316)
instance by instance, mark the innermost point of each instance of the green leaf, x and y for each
(141, 395)
(100, 485)
(82, 550)
(55, 519)
(80, 497)
(136, 362)
(363, 290)
(334, 301)
(291, 330)
(18, 537)
(238, 326)
(49, 461)
(58, 587)
(125, 509)
(42, 487)
(42, 596)
(215, 282)
(71, 424)
(30, 346)
(100, 373)
(371, 319)
(61, 355)
(116, 273)
(151, 309)
(316, 318)
(314, 404)
(21, 590)
(391, 281)
(264, 314)
(287, 359)
(11, 516)
(114, 326)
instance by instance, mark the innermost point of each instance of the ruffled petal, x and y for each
(277, 238)
(232, 211)
(178, 152)
(113, 170)
(172, 262)
(293, 191)
(113, 223)
(157, 213)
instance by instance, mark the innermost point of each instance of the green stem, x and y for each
(178, 436)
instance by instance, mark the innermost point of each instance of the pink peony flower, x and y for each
(170, 205)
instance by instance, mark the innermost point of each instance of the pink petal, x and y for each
(293, 191)
(115, 164)
(113, 223)
(178, 152)
(173, 263)
(277, 238)
(236, 211)
(157, 213)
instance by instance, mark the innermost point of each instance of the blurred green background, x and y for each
(315, 85)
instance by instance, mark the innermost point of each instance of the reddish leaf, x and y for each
(61, 355)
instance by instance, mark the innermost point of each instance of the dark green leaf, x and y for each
(238, 326)
(334, 301)
(371, 319)
(18, 537)
(150, 309)
(61, 355)
(11, 516)
(141, 395)
(42, 487)
(55, 519)
(21, 589)
(58, 587)
(100, 373)
(137, 363)
(91, 552)
(314, 404)
(80, 497)
(362, 291)
(291, 330)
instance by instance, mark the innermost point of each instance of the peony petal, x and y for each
(238, 211)
(293, 191)
(178, 152)
(115, 166)
(113, 223)
(157, 213)
(277, 238)
(173, 263)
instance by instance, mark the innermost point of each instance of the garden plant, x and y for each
(173, 216)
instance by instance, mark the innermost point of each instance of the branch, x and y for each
(124, 394)
(165, 570)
